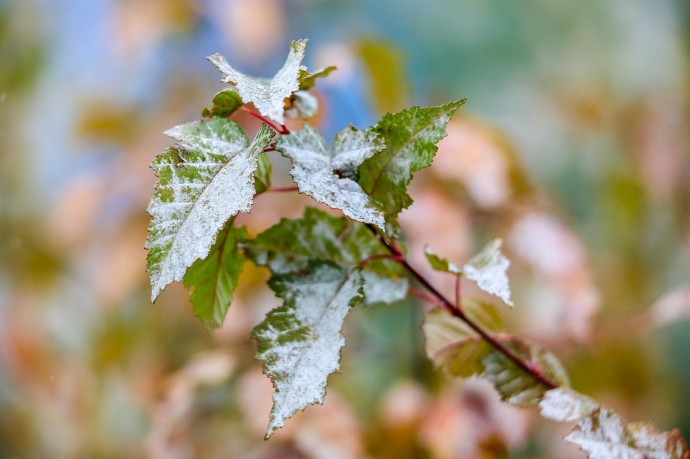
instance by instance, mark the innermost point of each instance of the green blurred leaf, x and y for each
(327, 175)
(452, 345)
(224, 104)
(205, 180)
(389, 90)
(410, 137)
(267, 95)
(213, 279)
(299, 343)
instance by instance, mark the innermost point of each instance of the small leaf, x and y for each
(327, 176)
(452, 345)
(267, 95)
(262, 176)
(515, 385)
(410, 137)
(441, 264)
(604, 434)
(214, 278)
(203, 182)
(299, 343)
(224, 104)
(565, 405)
(291, 245)
(302, 105)
(487, 268)
(308, 80)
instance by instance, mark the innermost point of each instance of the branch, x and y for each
(271, 124)
(454, 310)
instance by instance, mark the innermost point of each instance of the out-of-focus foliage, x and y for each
(573, 146)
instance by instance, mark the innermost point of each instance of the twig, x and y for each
(270, 123)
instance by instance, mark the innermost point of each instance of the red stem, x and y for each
(282, 190)
(424, 296)
(458, 304)
(270, 123)
(441, 300)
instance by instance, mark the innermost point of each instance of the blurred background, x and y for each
(573, 147)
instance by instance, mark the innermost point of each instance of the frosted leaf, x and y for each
(299, 343)
(410, 137)
(267, 95)
(380, 289)
(604, 434)
(304, 105)
(566, 405)
(327, 175)
(488, 269)
(203, 182)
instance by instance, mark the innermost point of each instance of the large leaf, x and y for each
(327, 175)
(299, 343)
(291, 245)
(515, 385)
(267, 95)
(452, 345)
(214, 278)
(410, 137)
(205, 180)
(488, 269)
(604, 434)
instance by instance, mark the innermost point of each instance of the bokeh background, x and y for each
(573, 147)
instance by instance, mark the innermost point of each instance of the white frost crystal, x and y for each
(267, 95)
(322, 174)
(203, 182)
(566, 405)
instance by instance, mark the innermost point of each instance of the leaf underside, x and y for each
(267, 95)
(299, 343)
(203, 181)
(410, 137)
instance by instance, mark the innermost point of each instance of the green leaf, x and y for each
(410, 137)
(291, 245)
(515, 385)
(452, 345)
(224, 104)
(328, 176)
(267, 95)
(299, 343)
(262, 176)
(604, 434)
(205, 180)
(308, 80)
(213, 279)
(488, 269)
(302, 105)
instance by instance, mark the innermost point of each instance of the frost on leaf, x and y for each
(410, 137)
(604, 434)
(299, 343)
(267, 95)
(203, 181)
(488, 269)
(291, 245)
(214, 278)
(329, 176)
(515, 385)
(224, 104)
(452, 345)
(565, 405)
(302, 105)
